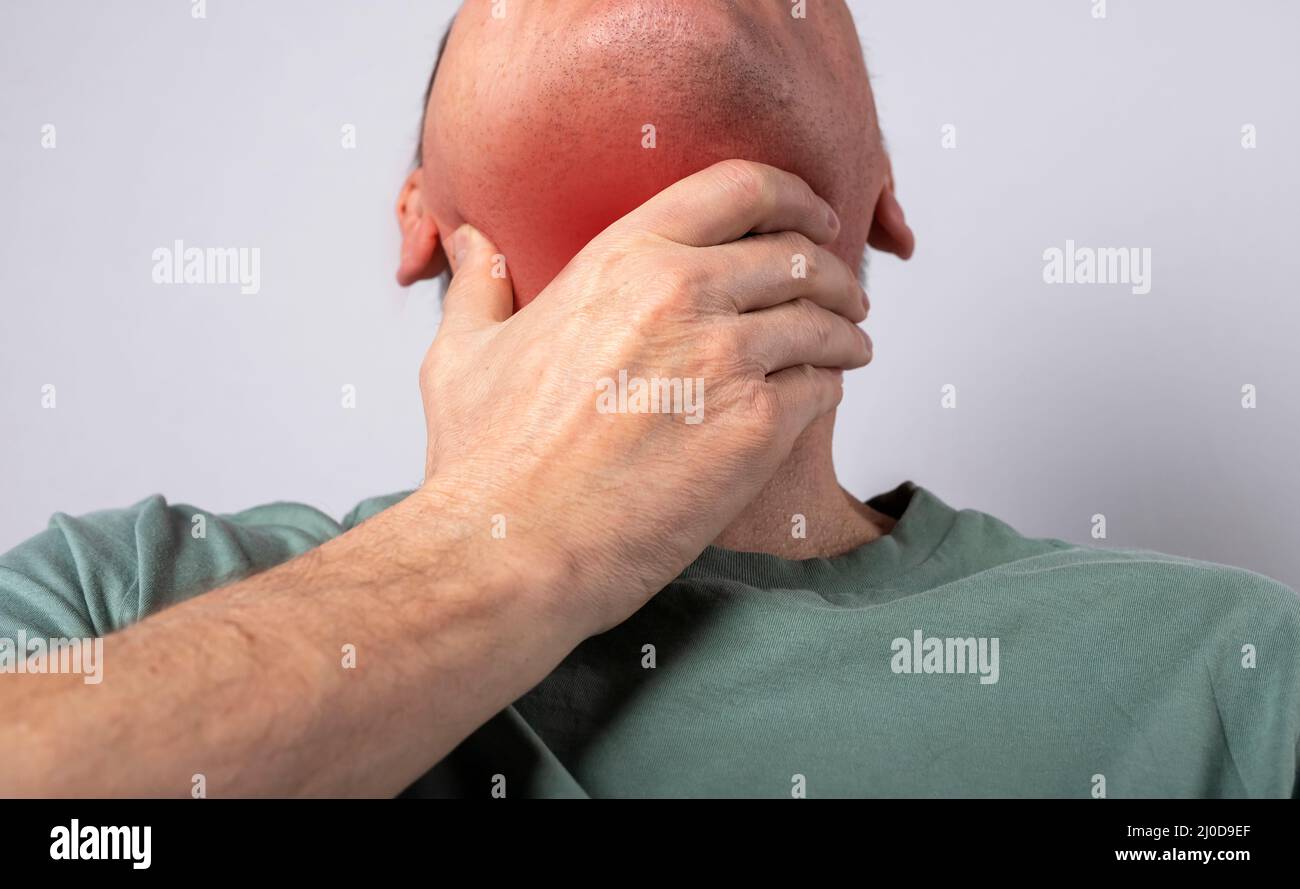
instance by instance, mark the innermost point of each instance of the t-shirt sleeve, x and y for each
(91, 575)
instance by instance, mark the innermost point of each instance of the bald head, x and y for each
(549, 123)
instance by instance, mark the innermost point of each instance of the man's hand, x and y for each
(244, 684)
(601, 509)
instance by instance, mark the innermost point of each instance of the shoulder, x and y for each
(1147, 573)
(94, 573)
(1137, 574)
(1127, 590)
(1191, 610)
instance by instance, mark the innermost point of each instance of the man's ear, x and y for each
(889, 230)
(422, 253)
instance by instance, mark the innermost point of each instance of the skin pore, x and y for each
(535, 133)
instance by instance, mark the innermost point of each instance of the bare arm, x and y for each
(246, 685)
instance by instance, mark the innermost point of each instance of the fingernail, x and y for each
(866, 302)
(832, 220)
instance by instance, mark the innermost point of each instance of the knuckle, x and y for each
(690, 276)
(808, 373)
(607, 261)
(813, 322)
(837, 393)
(724, 344)
(764, 405)
(669, 289)
(682, 285)
(737, 356)
(749, 181)
(796, 244)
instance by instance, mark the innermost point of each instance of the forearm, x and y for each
(251, 686)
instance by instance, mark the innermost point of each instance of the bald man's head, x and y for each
(547, 124)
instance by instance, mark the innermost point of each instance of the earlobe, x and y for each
(890, 232)
(422, 255)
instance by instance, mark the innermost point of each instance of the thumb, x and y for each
(480, 291)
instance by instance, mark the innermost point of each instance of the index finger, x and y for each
(731, 199)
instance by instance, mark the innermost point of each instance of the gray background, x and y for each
(1071, 400)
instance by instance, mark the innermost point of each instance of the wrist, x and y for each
(498, 557)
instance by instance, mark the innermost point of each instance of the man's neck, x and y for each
(803, 513)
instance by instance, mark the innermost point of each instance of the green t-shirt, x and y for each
(952, 657)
